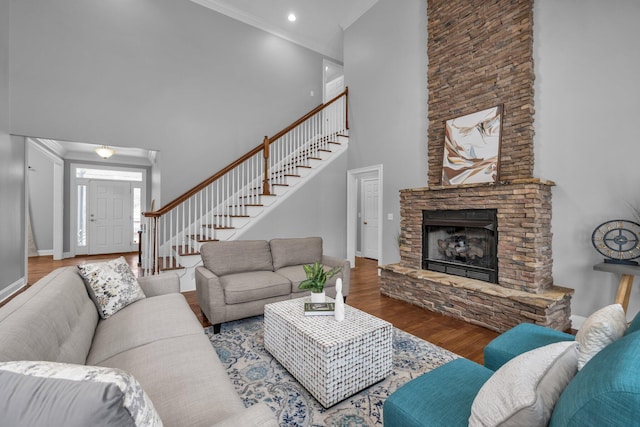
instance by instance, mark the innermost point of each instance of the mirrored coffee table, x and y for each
(332, 360)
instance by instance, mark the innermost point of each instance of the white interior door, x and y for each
(370, 187)
(334, 88)
(110, 217)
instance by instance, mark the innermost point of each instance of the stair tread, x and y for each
(279, 185)
(201, 239)
(218, 227)
(164, 264)
(261, 194)
(175, 267)
(233, 216)
(185, 251)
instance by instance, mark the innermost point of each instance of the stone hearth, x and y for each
(473, 301)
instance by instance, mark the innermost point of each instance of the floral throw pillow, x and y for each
(111, 284)
(50, 393)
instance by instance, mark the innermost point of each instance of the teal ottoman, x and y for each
(520, 339)
(439, 398)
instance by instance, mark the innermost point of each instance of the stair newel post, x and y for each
(153, 234)
(346, 107)
(265, 152)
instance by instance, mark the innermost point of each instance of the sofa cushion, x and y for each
(295, 274)
(296, 251)
(111, 285)
(253, 286)
(236, 256)
(634, 326)
(439, 398)
(184, 378)
(606, 392)
(145, 321)
(524, 391)
(599, 330)
(59, 394)
(31, 330)
(520, 339)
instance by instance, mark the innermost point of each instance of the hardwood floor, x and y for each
(460, 337)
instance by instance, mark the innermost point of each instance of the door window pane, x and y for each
(113, 175)
(136, 214)
(82, 216)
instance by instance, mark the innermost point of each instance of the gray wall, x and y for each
(40, 193)
(12, 177)
(587, 64)
(385, 64)
(155, 74)
(318, 209)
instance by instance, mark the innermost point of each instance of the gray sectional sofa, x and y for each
(158, 340)
(239, 277)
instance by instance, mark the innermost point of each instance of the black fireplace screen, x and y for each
(461, 242)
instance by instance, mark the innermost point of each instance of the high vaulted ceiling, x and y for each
(319, 23)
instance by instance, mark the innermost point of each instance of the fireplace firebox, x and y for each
(461, 242)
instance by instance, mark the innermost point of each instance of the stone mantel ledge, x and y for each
(542, 300)
(523, 181)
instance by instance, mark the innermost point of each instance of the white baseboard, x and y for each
(45, 252)
(577, 321)
(12, 289)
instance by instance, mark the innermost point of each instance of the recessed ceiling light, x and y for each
(291, 17)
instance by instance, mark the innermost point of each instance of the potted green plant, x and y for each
(316, 278)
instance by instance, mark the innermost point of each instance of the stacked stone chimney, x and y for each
(480, 56)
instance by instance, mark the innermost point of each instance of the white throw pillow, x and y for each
(599, 330)
(111, 285)
(524, 390)
(48, 393)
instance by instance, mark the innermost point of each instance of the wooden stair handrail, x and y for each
(175, 202)
(308, 115)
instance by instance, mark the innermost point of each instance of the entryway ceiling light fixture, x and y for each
(105, 151)
(291, 17)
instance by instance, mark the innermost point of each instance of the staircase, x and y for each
(230, 202)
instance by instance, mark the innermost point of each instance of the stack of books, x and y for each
(319, 308)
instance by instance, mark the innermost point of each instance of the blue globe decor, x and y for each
(618, 240)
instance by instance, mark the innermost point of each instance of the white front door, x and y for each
(370, 218)
(110, 222)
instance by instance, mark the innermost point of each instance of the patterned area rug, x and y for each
(257, 376)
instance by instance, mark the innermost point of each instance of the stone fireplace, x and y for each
(481, 55)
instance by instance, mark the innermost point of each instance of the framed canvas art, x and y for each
(472, 148)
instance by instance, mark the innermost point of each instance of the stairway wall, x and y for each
(166, 75)
(319, 208)
(155, 74)
(388, 102)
